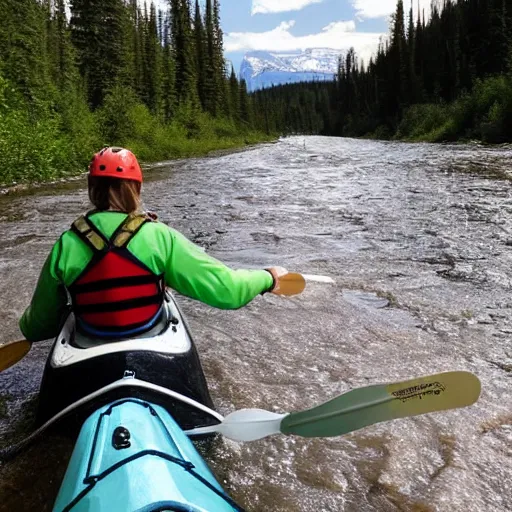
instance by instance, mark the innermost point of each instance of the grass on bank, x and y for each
(41, 143)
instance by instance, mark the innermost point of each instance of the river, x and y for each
(418, 238)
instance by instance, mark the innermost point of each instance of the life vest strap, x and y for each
(129, 228)
(117, 332)
(89, 235)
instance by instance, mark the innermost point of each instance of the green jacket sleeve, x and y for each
(42, 318)
(191, 272)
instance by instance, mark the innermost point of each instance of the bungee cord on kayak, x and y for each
(91, 480)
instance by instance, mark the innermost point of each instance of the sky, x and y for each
(287, 25)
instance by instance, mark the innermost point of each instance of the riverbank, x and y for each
(58, 141)
(484, 115)
(73, 180)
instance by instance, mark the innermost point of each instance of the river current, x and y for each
(418, 238)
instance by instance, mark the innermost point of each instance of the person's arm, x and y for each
(42, 318)
(192, 272)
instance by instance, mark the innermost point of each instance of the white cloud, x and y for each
(269, 6)
(339, 35)
(374, 8)
(384, 8)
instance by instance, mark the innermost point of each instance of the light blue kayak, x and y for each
(133, 399)
(131, 456)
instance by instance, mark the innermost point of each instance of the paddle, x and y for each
(348, 412)
(356, 409)
(12, 352)
(294, 284)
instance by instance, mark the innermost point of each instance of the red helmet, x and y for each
(116, 163)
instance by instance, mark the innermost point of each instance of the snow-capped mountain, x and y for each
(264, 69)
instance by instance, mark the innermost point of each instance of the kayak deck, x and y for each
(132, 456)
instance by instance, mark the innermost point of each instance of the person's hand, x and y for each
(277, 273)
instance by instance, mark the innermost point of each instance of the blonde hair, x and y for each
(115, 194)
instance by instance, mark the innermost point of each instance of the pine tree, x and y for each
(24, 48)
(132, 74)
(234, 95)
(60, 50)
(169, 81)
(201, 55)
(245, 104)
(418, 56)
(398, 70)
(97, 31)
(219, 62)
(414, 93)
(210, 82)
(183, 53)
(154, 59)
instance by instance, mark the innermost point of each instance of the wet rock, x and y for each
(366, 299)
(484, 320)
(261, 237)
(394, 275)
(503, 366)
(459, 272)
(495, 316)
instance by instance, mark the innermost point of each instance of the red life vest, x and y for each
(116, 293)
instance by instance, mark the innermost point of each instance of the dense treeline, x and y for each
(113, 72)
(444, 79)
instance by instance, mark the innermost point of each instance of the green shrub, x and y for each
(421, 122)
(60, 139)
(485, 114)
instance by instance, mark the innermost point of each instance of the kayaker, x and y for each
(115, 262)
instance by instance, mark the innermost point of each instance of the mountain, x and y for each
(264, 69)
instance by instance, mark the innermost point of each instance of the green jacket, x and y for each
(185, 266)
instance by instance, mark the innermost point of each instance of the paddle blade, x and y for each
(290, 284)
(374, 404)
(12, 352)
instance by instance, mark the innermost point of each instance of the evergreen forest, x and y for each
(81, 74)
(76, 76)
(443, 79)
